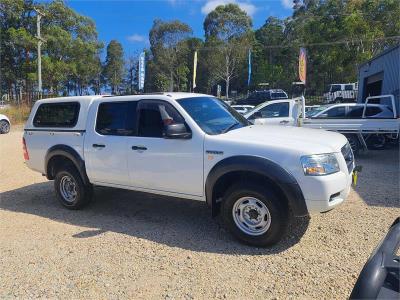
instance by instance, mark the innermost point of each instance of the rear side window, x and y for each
(336, 88)
(57, 115)
(372, 111)
(348, 87)
(116, 118)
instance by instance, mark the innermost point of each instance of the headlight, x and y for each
(319, 164)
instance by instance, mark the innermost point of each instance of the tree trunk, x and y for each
(171, 82)
(227, 88)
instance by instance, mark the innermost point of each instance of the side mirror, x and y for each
(177, 131)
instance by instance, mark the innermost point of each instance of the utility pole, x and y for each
(39, 16)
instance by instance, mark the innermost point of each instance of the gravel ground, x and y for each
(131, 245)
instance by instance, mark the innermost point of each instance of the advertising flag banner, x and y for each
(249, 75)
(303, 65)
(142, 70)
(194, 69)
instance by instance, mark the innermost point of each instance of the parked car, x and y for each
(189, 146)
(5, 124)
(259, 97)
(371, 129)
(242, 109)
(351, 110)
(341, 93)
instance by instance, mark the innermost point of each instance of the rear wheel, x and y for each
(4, 126)
(376, 142)
(255, 215)
(70, 189)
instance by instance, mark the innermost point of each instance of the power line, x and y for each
(342, 42)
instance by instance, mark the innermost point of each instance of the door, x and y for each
(161, 164)
(106, 143)
(273, 114)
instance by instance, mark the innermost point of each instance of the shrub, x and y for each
(16, 114)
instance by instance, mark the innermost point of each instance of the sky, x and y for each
(129, 21)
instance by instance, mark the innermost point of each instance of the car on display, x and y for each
(380, 276)
(242, 109)
(258, 97)
(351, 110)
(341, 93)
(365, 125)
(189, 146)
(5, 124)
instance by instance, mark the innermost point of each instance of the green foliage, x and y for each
(169, 48)
(70, 53)
(114, 66)
(229, 36)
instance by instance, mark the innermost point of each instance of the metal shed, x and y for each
(380, 75)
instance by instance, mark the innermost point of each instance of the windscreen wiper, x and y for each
(230, 127)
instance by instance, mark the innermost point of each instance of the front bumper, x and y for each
(324, 193)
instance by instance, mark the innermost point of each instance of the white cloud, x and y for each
(210, 5)
(287, 4)
(136, 38)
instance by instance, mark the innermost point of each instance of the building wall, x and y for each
(389, 64)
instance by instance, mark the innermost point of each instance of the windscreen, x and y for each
(212, 115)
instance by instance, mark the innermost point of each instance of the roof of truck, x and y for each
(173, 95)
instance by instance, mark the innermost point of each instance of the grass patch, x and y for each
(17, 114)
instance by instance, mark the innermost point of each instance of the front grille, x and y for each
(348, 157)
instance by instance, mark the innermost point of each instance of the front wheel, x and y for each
(70, 189)
(255, 215)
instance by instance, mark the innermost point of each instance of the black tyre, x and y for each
(354, 143)
(255, 214)
(4, 127)
(70, 189)
(376, 142)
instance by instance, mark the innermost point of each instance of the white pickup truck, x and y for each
(360, 123)
(189, 146)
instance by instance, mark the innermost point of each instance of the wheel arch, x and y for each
(253, 168)
(60, 154)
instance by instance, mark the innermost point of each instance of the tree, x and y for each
(228, 38)
(70, 54)
(168, 47)
(114, 66)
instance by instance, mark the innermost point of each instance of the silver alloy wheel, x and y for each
(251, 216)
(4, 127)
(68, 188)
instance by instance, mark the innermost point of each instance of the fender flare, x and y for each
(72, 155)
(264, 167)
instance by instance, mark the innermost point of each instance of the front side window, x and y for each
(116, 118)
(276, 110)
(57, 115)
(336, 112)
(154, 116)
(348, 87)
(212, 115)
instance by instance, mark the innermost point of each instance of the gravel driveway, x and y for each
(132, 245)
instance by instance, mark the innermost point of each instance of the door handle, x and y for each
(139, 148)
(284, 122)
(98, 146)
